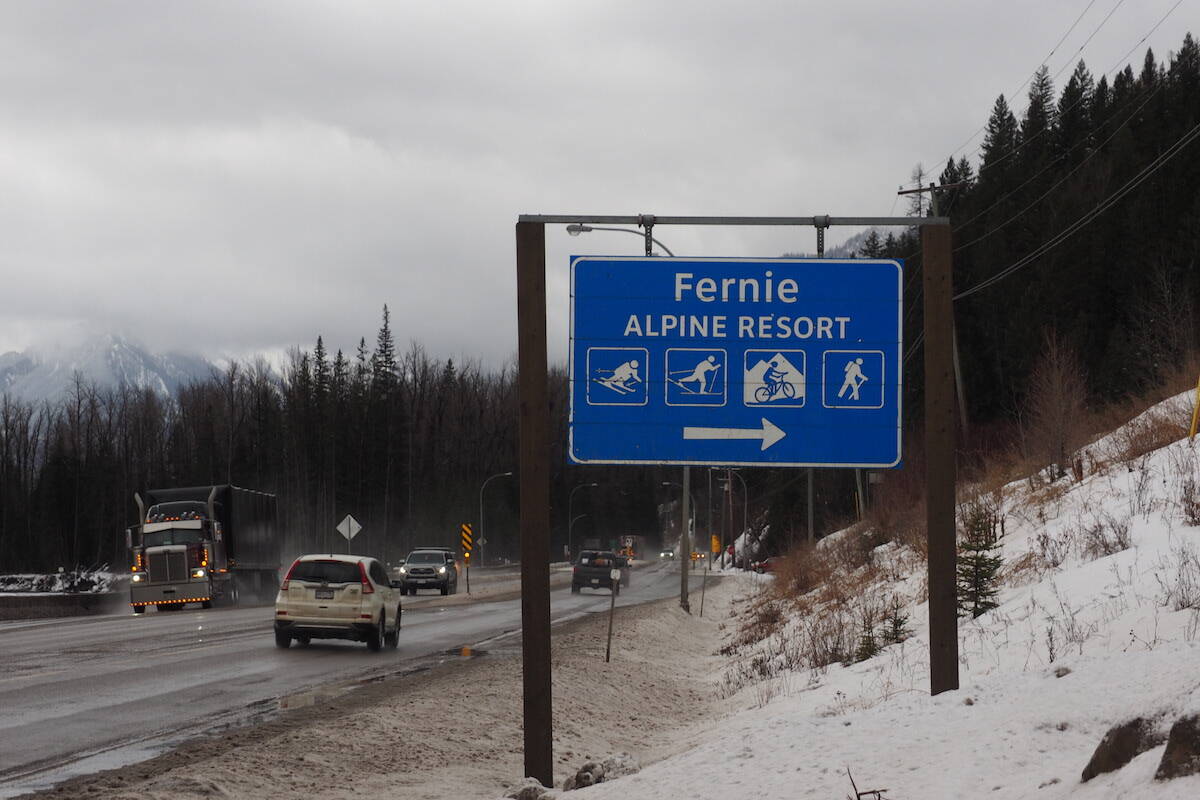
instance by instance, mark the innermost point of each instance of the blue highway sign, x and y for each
(725, 362)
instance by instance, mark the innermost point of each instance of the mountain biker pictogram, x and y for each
(774, 378)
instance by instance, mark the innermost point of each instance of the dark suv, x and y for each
(430, 568)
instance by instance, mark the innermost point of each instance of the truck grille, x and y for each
(167, 567)
(422, 571)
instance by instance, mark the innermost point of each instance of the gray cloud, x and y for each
(232, 177)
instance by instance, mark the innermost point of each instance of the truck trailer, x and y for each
(202, 544)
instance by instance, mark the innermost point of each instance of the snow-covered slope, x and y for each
(108, 361)
(1098, 624)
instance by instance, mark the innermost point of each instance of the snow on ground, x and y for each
(95, 581)
(1098, 624)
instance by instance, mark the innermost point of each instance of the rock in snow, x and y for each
(1120, 745)
(1182, 756)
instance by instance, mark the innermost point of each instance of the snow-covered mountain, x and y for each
(39, 374)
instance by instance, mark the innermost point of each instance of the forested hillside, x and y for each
(1078, 226)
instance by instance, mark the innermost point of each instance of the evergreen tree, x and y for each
(872, 246)
(1038, 121)
(320, 372)
(1074, 129)
(383, 360)
(999, 141)
(979, 559)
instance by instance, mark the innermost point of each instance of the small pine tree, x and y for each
(868, 645)
(979, 559)
(895, 624)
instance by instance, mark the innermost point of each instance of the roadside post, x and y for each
(728, 362)
(615, 577)
(468, 544)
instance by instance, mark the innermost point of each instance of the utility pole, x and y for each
(960, 389)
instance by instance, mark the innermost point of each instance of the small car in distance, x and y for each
(430, 568)
(666, 554)
(337, 597)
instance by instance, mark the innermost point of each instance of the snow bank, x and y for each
(1098, 623)
(80, 581)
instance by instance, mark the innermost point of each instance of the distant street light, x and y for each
(481, 488)
(571, 511)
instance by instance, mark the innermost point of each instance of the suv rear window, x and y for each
(326, 572)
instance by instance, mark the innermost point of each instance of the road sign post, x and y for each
(348, 528)
(468, 544)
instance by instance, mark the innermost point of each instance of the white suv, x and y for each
(337, 597)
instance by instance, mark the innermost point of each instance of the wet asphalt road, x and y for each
(88, 693)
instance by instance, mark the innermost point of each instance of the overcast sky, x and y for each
(238, 177)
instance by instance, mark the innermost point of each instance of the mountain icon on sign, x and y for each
(774, 378)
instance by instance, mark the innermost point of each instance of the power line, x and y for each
(1056, 184)
(1110, 73)
(1027, 80)
(1090, 216)
(1067, 63)
(1105, 204)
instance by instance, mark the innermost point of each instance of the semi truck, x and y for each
(202, 544)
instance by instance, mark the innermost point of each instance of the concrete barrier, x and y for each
(38, 606)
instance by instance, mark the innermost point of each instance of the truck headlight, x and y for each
(403, 571)
(199, 572)
(441, 570)
(136, 577)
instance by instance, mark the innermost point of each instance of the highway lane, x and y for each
(90, 693)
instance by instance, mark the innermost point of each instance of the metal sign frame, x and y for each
(534, 447)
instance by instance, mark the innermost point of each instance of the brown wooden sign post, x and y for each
(535, 449)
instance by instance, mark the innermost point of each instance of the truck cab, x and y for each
(202, 544)
(178, 557)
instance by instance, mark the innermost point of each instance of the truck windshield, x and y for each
(173, 536)
(427, 557)
(326, 572)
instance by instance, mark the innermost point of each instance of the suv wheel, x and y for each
(375, 637)
(445, 589)
(282, 640)
(393, 639)
(574, 588)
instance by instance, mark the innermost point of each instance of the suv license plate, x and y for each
(324, 594)
(595, 580)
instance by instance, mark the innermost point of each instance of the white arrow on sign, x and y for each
(349, 527)
(770, 434)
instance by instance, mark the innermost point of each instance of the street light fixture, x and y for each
(691, 522)
(570, 513)
(481, 488)
(575, 230)
(745, 506)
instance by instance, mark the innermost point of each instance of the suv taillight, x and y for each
(283, 587)
(367, 588)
